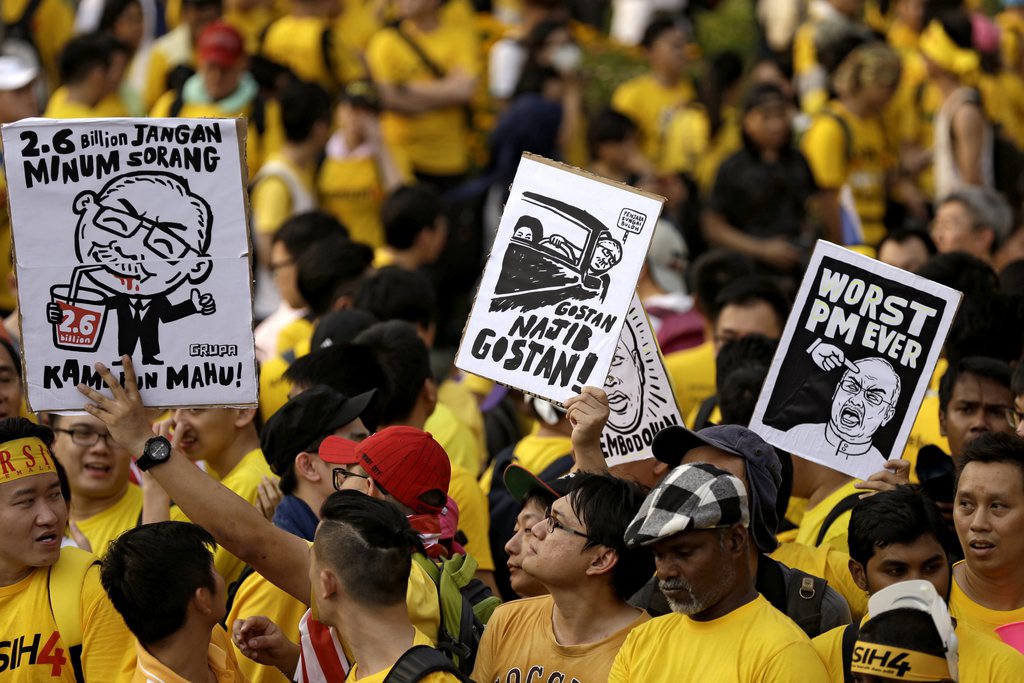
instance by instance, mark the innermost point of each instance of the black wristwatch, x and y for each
(157, 450)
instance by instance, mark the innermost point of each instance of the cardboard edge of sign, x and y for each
(241, 132)
(583, 174)
(824, 249)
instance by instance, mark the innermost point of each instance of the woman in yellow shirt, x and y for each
(847, 146)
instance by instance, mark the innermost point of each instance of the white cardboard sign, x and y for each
(131, 238)
(854, 361)
(640, 395)
(558, 281)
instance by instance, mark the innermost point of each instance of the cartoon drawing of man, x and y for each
(625, 384)
(607, 252)
(142, 237)
(864, 401)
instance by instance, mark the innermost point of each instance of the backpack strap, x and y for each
(850, 634)
(418, 662)
(433, 67)
(25, 20)
(327, 54)
(177, 105)
(771, 582)
(706, 408)
(65, 581)
(804, 601)
(845, 505)
(845, 127)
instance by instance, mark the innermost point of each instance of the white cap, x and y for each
(667, 257)
(921, 595)
(16, 73)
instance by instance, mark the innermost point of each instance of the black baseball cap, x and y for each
(307, 419)
(521, 482)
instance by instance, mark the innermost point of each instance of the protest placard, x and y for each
(131, 237)
(558, 281)
(854, 362)
(640, 397)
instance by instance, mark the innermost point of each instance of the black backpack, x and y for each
(419, 662)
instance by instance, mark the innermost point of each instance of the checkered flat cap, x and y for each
(697, 496)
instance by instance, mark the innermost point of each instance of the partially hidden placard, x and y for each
(854, 361)
(640, 397)
(131, 238)
(558, 281)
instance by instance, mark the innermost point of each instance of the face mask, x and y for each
(566, 58)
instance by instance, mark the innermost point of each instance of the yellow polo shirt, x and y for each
(105, 526)
(219, 654)
(434, 141)
(814, 518)
(651, 105)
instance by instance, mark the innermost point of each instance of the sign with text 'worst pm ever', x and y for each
(558, 281)
(131, 238)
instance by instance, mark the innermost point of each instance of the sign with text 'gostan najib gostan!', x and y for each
(130, 238)
(558, 281)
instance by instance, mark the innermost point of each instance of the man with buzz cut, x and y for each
(722, 630)
(54, 617)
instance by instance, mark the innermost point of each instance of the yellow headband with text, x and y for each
(938, 47)
(894, 662)
(23, 458)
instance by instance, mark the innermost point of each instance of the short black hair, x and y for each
(992, 447)
(608, 125)
(393, 293)
(404, 360)
(961, 271)
(979, 366)
(303, 105)
(369, 543)
(749, 290)
(80, 56)
(151, 572)
(715, 269)
(112, 11)
(330, 269)
(12, 428)
(606, 505)
(658, 26)
(349, 369)
(738, 394)
(736, 353)
(904, 235)
(907, 628)
(901, 515)
(991, 326)
(408, 211)
(301, 231)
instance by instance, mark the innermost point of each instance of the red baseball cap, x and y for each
(338, 451)
(408, 464)
(220, 44)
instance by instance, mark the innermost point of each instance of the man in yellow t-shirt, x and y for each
(426, 74)
(50, 598)
(104, 503)
(721, 629)
(895, 537)
(579, 555)
(161, 579)
(226, 440)
(291, 443)
(223, 88)
(987, 511)
(314, 46)
(84, 66)
(293, 565)
(17, 101)
(651, 99)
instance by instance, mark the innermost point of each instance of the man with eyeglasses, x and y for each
(864, 401)
(139, 240)
(578, 554)
(104, 502)
(291, 443)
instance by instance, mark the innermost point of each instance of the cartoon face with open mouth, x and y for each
(866, 400)
(624, 385)
(146, 231)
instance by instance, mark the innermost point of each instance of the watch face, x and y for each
(160, 450)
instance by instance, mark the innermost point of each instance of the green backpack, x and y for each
(466, 605)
